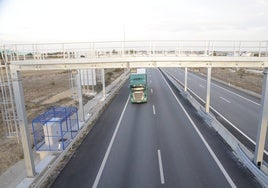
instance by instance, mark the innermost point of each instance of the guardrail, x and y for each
(20, 52)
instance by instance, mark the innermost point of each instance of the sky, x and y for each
(42, 21)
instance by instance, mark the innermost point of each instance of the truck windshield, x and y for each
(140, 88)
(137, 79)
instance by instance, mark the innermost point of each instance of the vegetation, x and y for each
(241, 72)
(52, 83)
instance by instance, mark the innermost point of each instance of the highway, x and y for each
(161, 143)
(239, 108)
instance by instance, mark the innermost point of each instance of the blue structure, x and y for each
(54, 129)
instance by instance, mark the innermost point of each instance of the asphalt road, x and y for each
(155, 144)
(239, 108)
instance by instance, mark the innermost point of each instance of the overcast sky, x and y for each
(31, 21)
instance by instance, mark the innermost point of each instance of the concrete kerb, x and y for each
(241, 152)
(98, 106)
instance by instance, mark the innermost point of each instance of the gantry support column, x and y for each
(262, 122)
(185, 79)
(103, 84)
(208, 89)
(92, 78)
(80, 97)
(23, 123)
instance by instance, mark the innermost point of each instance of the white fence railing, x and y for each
(20, 52)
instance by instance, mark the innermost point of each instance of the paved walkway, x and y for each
(13, 176)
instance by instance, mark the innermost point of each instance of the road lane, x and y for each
(187, 162)
(83, 167)
(97, 179)
(142, 139)
(133, 161)
(242, 110)
(239, 174)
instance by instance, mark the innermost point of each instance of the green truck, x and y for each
(138, 86)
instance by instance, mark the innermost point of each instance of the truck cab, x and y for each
(138, 86)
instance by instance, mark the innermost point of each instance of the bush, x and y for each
(52, 83)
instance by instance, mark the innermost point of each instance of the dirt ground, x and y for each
(42, 89)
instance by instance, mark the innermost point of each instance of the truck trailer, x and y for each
(138, 86)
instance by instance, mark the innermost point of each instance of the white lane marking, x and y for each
(152, 91)
(153, 109)
(201, 86)
(226, 175)
(228, 90)
(225, 99)
(161, 167)
(237, 95)
(224, 118)
(97, 179)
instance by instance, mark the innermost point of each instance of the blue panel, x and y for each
(65, 126)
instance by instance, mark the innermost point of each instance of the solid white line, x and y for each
(161, 167)
(97, 179)
(235, 127)
(153, 109)
(152, 91)
(237, 95)
(227, 90)
(225, 99)
(226, 175)
(225, 119)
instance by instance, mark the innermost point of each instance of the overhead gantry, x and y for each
(136, 54)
